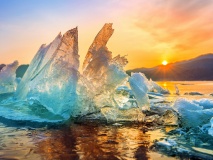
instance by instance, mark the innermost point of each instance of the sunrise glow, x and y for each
(164, 63)
(185, 32)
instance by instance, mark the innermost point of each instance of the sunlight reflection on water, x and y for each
(79, 142)
(204, 87)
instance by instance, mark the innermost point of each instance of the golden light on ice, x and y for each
(164, 62)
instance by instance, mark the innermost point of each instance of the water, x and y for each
(20, 140)
(79, 141)
(204, 87)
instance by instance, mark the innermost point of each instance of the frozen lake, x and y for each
(20, 140)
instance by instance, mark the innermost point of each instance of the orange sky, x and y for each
(147, 31)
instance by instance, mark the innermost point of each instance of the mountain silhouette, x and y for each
(199, 68)
(1, 66)
(21, 70)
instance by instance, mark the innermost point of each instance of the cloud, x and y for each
(182, 24)
(188, 6)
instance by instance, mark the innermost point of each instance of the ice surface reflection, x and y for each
(79, 141)
(95, 142)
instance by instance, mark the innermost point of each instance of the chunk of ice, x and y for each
(154, 86)
(210, 131)
(192, 114)
(139, 85)
(52, 75)
(8, 78)
(206, 103)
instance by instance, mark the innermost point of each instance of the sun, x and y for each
(164, 63)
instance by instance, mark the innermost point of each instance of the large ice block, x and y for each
(103, 74)
(98, 55)
(51, 78)
(103, 71)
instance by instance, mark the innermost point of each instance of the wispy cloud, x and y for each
(147, 30)
(182, 24)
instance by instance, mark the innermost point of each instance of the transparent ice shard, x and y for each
(177, 92)
(158, 88)
(169, 118)
(8, 78)
(52, 75)
(103, 74)
(99, 68)
(139, 85)
(36, 66)
(124, 98)
(163, 114)
(114, 114)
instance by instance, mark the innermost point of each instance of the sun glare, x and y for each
(164, 62)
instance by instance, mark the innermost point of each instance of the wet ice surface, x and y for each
(79, 141)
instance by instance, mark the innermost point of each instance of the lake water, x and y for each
(204, 87)
(90, 140)
(79, 141)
